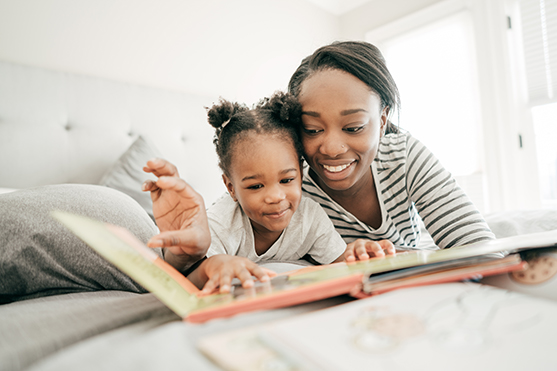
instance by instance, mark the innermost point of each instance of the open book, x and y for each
(132, 257)
(122, 249)
(456, 326)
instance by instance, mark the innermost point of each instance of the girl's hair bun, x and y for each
(283, 106)
(278, 115)
(219, 115)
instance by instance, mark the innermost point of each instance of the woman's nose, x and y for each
(332, 146)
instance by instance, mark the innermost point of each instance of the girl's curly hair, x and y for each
(279, 115)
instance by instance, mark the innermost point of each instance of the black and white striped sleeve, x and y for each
(449, 216)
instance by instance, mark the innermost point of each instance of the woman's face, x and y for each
(342, 124)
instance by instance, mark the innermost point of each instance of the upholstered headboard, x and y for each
(58, 127)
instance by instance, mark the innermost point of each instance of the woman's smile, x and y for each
(338, 172)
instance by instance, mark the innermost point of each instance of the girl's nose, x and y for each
(274, 194)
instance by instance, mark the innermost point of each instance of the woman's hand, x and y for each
(364, 249)
(219, 270)
(180, 215)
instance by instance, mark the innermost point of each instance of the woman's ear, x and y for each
(229, 187)
(384, 119)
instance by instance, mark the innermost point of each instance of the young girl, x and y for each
(264, 216)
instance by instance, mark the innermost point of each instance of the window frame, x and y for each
(511, 182)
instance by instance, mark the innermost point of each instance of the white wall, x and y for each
(241, 49)
(376, 13)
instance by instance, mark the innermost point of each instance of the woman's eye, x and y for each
(255, 186)
(285, 181)
(311, 131)
(354, 129)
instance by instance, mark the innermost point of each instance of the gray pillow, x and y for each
(127, 175)
(40, 257)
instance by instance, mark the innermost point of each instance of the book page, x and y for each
(456, 326)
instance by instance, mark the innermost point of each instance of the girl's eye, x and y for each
(285, 181)
(255, 186)
(354, 129)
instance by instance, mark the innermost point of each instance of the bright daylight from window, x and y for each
(438, 90)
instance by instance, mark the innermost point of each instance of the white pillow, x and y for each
(127, 175)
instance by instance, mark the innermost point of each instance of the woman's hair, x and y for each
(278, 115)
(358, 58)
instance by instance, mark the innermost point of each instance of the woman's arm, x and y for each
(362, 249)
(448, 214)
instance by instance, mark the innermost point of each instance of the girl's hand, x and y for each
(219, 270)
(364, 249)
(180, 215)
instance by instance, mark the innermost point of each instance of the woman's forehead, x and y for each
(330, 88)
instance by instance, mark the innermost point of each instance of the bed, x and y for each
(63, 136)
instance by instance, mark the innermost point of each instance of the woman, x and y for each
(372, 179)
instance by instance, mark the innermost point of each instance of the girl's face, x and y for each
(342, 124)
(265, 178)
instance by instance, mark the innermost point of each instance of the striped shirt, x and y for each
(409, 181)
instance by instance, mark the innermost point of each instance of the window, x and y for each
(536, 40)
(545, 129)
(434, 67)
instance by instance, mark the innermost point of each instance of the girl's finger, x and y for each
(244, 276)
(225, 282)
(161, 167)
(184, 241)
(269, 272)
(178, 185)
(210, 285)
(149, 185)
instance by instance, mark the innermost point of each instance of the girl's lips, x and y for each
(277, 215)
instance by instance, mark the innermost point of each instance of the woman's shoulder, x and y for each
(392, 149)
(395, 148)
